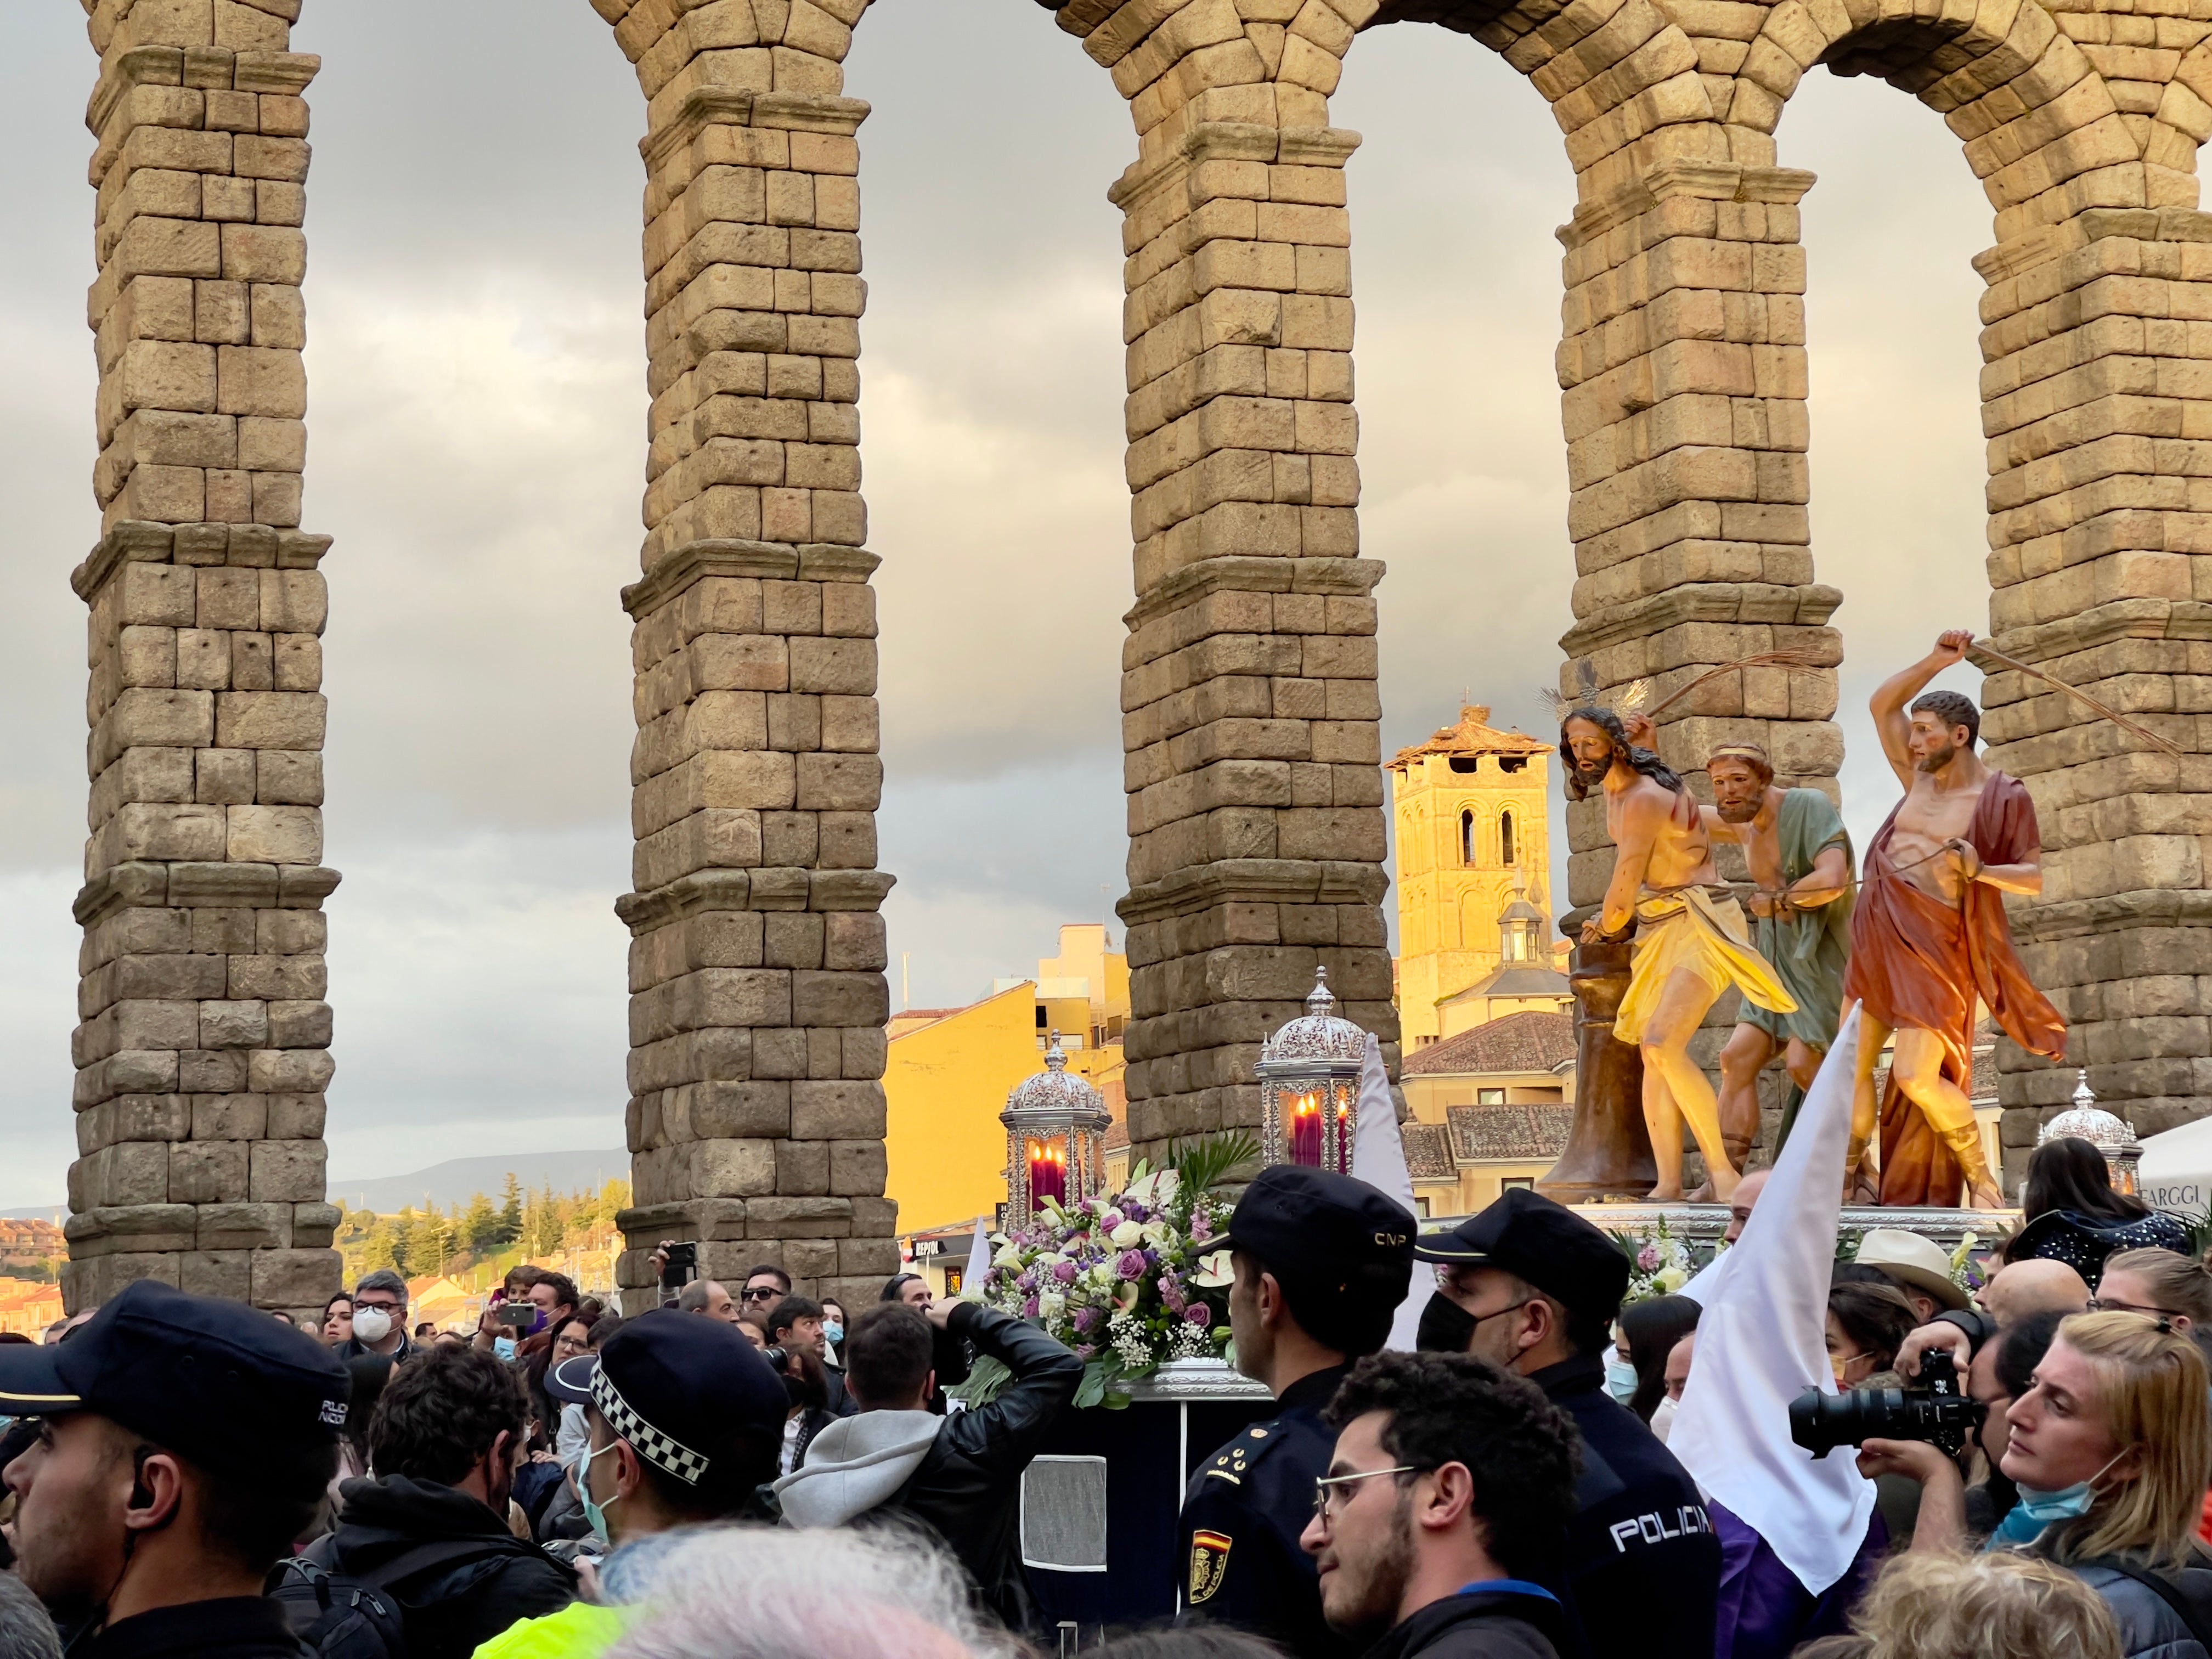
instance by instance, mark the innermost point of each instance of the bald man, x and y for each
(2033, 1286)
(1742, 1199)
(2015, 1291)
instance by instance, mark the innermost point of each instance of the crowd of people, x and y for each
(748, 1474)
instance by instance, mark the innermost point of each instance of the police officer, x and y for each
(184, 1443)
(1322, 1263)
(1533, 1288)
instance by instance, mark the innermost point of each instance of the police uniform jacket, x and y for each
(1242, 1516)
(1643, 1567)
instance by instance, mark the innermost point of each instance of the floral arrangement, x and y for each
(1126, 1281)
(1968, 1272)
(1659, 1263)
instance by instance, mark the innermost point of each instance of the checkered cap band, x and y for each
(649, 1443)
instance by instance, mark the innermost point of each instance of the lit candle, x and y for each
(1047, 1172)
(1305, 1132)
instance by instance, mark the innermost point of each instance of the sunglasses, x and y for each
(761, 1294)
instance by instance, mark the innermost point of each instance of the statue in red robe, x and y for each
(1929, 939)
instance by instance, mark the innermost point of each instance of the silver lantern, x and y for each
(1309, 1085)
(1055, 1138)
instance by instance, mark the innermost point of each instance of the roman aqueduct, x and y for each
(1248, 686)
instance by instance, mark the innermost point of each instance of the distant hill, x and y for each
(451, 1183)
(445, 1184)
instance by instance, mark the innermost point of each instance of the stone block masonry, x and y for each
(1249, 690)
(757, 995)
(202, 1050)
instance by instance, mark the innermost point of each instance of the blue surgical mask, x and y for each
(594, 1513)
(503, 1346)
(1619, 1377)
(2037, 1509)
(833, 1332)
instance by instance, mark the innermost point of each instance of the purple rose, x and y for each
(1087, 1318)
(1030, 1308)
(1131, 1265)
(1198, 1313)
(1064, 1272)
(1085, 1350)
(1648, 1258)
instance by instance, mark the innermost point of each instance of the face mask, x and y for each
(372, 1324)
(1619, 1377)
(833, 1332)
(503, 1346)
(2064, 1505)
(1445, 1326)
(1662, 1418)
(594, 1512)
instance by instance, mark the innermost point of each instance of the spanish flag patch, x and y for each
(1209, 1564)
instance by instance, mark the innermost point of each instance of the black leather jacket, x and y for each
(968, 1484)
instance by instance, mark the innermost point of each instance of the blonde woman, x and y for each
(2158, 1282)
(1935, 1605)
(2111, 1447)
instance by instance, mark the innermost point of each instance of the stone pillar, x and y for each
(757, 996)
(1247, 689)
(203, 1054)
(2098, 402)
(1684, 370)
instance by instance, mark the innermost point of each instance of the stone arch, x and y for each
(1250, 711)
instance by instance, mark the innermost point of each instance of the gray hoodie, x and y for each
(856, 1465)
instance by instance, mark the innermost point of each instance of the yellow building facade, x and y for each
(947, 1074)
(1471, 815)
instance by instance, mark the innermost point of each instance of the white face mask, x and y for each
(1663, 1418)
(371, 1325)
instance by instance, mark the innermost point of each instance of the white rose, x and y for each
(1101, 1275)
(1156, 1234)
(1127, 1234)
(1672, 1279)
(1051, 1305)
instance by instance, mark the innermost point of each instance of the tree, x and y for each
(510, 1212)
(542, 1224)
(479, 1226)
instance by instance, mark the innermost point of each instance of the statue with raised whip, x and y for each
(1692, 942)
(1929, 938)
(1799, 857)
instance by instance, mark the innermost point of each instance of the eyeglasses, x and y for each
(570, 1344)
(2106, 1305)
(1325, 1487)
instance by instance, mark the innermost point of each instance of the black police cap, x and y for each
(1316, 1228)
(218, 1384)
(688, 1392)
(1543, 1243)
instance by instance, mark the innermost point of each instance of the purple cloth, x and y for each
(1763, 1612)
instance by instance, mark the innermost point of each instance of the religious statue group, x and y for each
(1918, 939)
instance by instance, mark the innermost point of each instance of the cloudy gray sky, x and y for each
(477, 370)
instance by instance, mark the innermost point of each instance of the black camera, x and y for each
(1937, 1412)
(679, 1264)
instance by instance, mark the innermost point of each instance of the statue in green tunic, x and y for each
(1801, 864)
